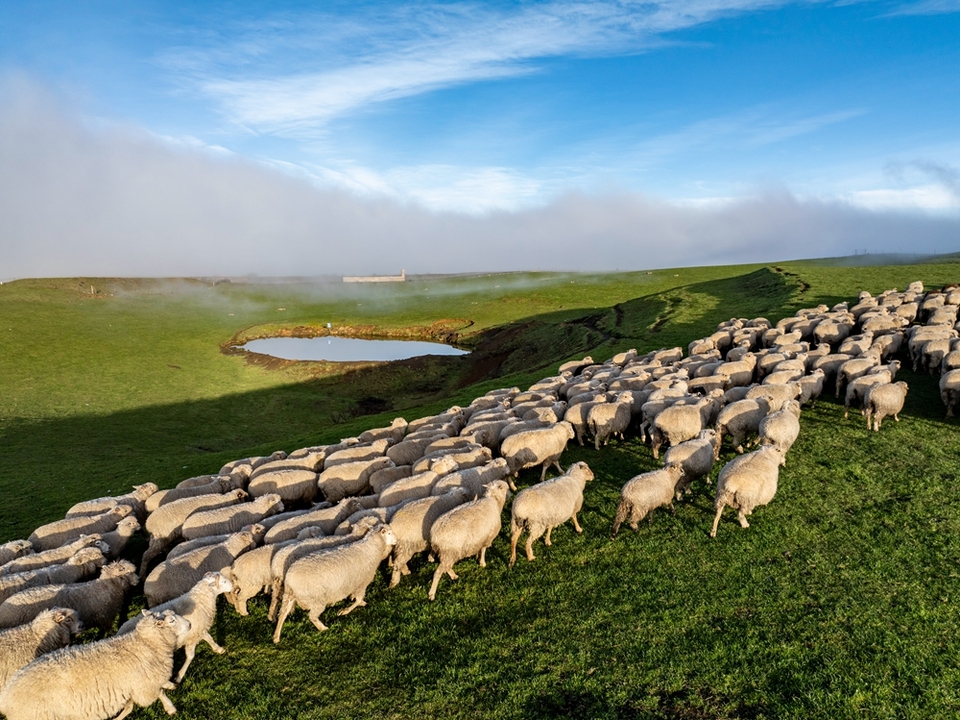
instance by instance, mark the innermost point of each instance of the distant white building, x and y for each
(402, 277)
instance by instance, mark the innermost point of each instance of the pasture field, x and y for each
(840, 600)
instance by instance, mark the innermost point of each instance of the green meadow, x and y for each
(840, 600)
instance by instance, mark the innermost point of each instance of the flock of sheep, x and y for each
(438, 484)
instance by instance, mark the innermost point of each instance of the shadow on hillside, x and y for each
(47, 466)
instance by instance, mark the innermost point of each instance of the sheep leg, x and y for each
(742, 517)
(516, 532)
(482, 557)
(623, 509)
(191, 650)
(166, 702)
(314, 615)
(546, 540)
(214, 645)
(357, 602)
(285, 608)
(716, 519)
(576, 525)
(276, 596)
(128, 708)
(436, 581)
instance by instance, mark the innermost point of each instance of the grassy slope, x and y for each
(837, 602)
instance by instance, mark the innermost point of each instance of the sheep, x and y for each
(97, 602)
(811, 386)
(50, 630)
(739, 372)
(411, 525)
(357, 453)
(576, 415)
(135, 499)
(165, 525)
(518, 426)
(248, 465)
(468, 529)
(381, 478)
(419, 485)
(610, 419)
(286, 556)
(350, 478)
(100, 679)
(857, 388)
(250, 573)
(473, 479)
(317, 581)
(379, 514)
(882, 401)
(326, 518)
(642, 494)
(741, 419)
(231, 518)
(781, 428)
(219, 485)
(830, 364)
(15, 549)
(35, 561)
(546, 505)
(311, 459)
(537, 447)
(394, 432)
(469, 456)
(79, 567)
(60, 532)
(776, 395)
(199, 606)
(747, 482)
(678, 423)
(932, 354)
(199, 480)
(172, 578)
(852, 369)
(256, 529)
(117, 539)
(696, 456)
(950, 390)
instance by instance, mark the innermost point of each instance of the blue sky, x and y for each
(475, 108)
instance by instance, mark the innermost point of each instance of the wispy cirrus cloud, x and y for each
(926, 7)
(345, 64)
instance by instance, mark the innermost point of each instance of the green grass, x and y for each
(839, 602)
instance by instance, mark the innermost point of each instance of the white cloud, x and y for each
(923, 198)
(402, 52)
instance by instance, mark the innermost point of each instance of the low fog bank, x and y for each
(115, 202)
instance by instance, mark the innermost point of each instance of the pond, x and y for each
(341, 349)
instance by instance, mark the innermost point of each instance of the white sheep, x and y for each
(100, 679)
(741, 419)
(218, 485)
(78, 567)
(294, 486)
(50, 630)
(781, 428)
(394, 432)
(173, 578)
(164, 525)
(286, 556)
(135, 499)
(117, 539)
(950, 390)
(318, 581)
(537, 447)
(610, 419)
(473, 479)
(468, 529)
(231, 518)
(350, 478)
(747, 482)
(643, 494)
(60, 532)
(411, 525)
(381, 478)
(542, 507)
(358, 453)
(464, 457)
(97, 602)
(199, 606)
(678, 423)
(883, 401)
(15, 549)
(326, 518)
(35, 561)
(696, 456)
(419, 485)
(811, 386)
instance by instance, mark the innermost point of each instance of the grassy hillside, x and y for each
(839, 601)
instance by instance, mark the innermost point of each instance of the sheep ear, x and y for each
(59, 616)
(144, 612)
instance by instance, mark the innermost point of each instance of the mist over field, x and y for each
(78, 198)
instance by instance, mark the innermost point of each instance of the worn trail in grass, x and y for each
(839, 601)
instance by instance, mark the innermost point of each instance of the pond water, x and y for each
(340, 349)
